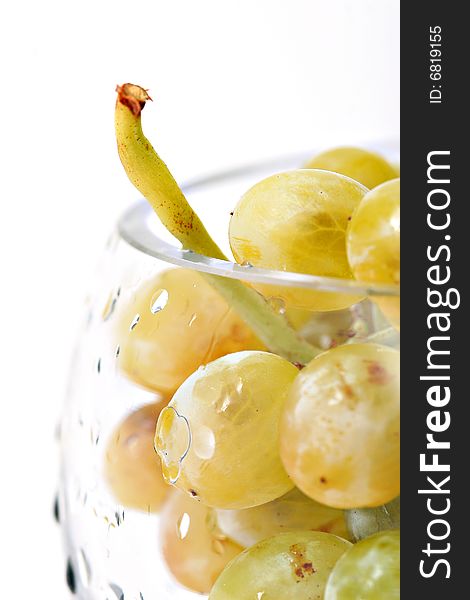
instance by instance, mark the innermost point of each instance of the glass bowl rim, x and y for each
(135, 229)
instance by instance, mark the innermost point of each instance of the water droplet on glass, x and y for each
(159, 301)
(70, 577)
(56, 509)
(84, 569)
(246, 263)
(135, 320)
(192, 319)
(218, 547)
(98, 366)
(118, 350)
(117, 591)
(109, 307)
(183, 526)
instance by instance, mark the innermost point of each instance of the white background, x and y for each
(231, 82)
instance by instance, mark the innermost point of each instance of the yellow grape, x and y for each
(193, 547)
(175, 323)
(373, 242)
(369, 168)
(292, 512)
(297, 221)
(219, 436)
(132, 467)
(289, 566)
(340, 427)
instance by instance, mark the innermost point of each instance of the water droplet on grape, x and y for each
(277, 304)
(172, 442)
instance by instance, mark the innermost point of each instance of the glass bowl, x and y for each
(113, 549)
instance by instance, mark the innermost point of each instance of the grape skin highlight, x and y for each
(219, 436)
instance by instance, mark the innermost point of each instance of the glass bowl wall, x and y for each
(113, 552)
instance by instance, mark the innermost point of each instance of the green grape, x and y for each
(363, 522)
(219, 436)
(289, 566)
(297, 221)
(194, 548)
(174, 323)
(373, 242)
(340, 427)
(132, 468)
(292, 512)
(369, 570)
(367, 167)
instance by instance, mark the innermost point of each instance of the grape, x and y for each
(297, 221)
(132, 468)
(194, 549)
(325, 329)
(373, 242)
(364, 166)
(369, 570)
(292, 512)
(289, 566)
(218, 437)
(175, 323)
(340, 427)
(363, 522)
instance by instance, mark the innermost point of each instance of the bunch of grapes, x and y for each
(286, 472)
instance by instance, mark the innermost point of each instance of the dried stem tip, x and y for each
(133, 96)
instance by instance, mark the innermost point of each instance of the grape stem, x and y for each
(152, 178)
